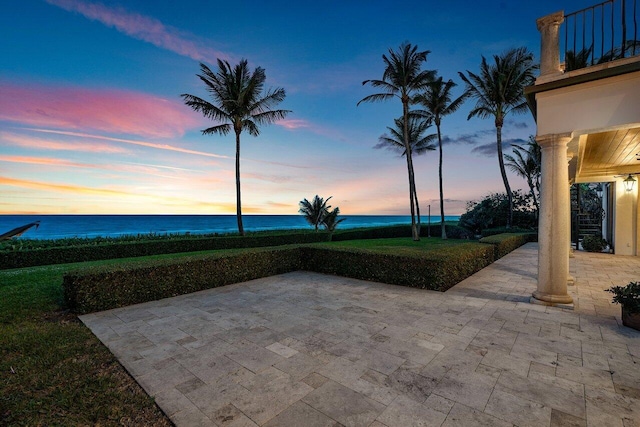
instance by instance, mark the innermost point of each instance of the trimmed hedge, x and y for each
(64, 255)
(104, 288)
(507, 242)
(437, 270)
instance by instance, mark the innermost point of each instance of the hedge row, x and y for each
(437, 270)
(103, 288)
(82, 253)
(507, 242)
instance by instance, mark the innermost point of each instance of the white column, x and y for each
(550, 43)
(554, 224)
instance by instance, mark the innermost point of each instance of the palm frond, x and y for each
(219, 129)
(377, 97)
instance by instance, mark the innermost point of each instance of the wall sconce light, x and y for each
(629, 182)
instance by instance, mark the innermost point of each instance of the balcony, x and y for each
(591, 40)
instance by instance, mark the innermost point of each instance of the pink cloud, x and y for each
(292, 124)
(46, 144)
(133, 142)
(297, 124)
(143, 28)
(113, 111)
(138, 168)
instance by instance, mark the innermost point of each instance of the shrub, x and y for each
(506, 242)
(627, 296)
(437, 270)
(594, 243)
(104, 288)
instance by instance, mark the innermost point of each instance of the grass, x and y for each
(54, 371)
(398, 245)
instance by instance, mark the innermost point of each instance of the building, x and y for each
(587, 110)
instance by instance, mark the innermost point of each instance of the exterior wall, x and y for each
(626, 219)
(590, 107)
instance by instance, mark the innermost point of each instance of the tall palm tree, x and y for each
(437, 101)
(316, 210)
(239, 103)
(402, 78)
(499, 90)
(418, 142)
(526, 162)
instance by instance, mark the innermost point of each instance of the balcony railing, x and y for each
(601, 33)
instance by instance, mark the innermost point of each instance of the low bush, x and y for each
(436, 270)
(507, 242)
(128, 249)
(594, 243)
(103, 288)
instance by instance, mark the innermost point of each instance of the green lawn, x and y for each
(54, 371)
(398, 245)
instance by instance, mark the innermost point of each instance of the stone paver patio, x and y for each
(304, 349)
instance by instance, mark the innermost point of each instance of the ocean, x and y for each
(87, 226)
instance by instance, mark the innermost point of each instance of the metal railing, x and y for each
(601, 33)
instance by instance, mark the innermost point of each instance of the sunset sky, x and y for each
(91, 119)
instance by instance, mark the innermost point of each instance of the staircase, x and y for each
(582, 222)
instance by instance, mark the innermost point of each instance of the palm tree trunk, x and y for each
(443, 229)
(533, 192)
(412, 184)
(238, 202)
(418, 221)
(503, 172)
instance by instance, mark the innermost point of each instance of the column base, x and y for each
(561, 301)
(571, 281)
(571, 254)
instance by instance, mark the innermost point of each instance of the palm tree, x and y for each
(499, 90)
(402, 78)
(418, 142)
(239, 103)
(315, 211)
(526, 162)
(331, 220)
(437, 101)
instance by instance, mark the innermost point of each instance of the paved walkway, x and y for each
(304, 349)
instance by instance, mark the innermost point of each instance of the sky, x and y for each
(92, 122)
